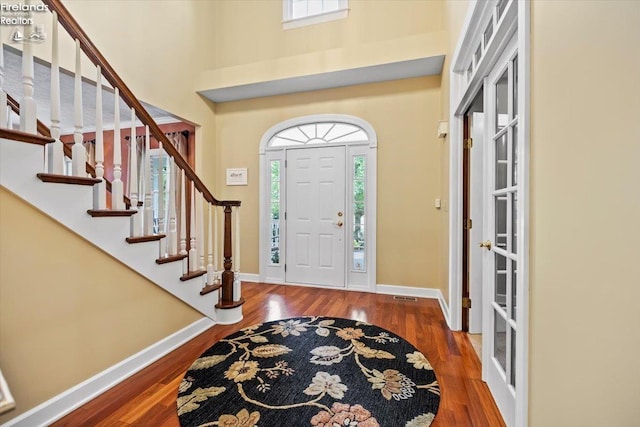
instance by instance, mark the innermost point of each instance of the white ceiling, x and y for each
(42, 91)
(355, 76)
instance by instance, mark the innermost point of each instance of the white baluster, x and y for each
(100, 189)
(161, 204)
(78, 152)
(28, 111)
(172, 236)
(4, 108)
(117, 189)
(200, 232)
(237, 284)
(215, 242)
(56, 149)
(236, 258)
(210, 271)
(148, 200)
(193, 248)
(183, 214)
(134, 185)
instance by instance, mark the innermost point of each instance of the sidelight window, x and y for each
(275, 210)
(358, 225)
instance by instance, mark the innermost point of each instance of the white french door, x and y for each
(502, 222)
(315, 223)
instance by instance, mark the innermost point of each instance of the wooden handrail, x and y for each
(45, 131)
(77, 33)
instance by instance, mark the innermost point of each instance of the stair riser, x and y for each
(19, 162)
(68, 205)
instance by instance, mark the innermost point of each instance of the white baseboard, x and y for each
(445, 309)
(62, 404)
(249, 277)
(408, 291)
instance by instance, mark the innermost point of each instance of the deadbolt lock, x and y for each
(340, 214)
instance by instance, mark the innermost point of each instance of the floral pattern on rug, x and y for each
(311, 371)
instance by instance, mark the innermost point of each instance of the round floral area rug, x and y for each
(310, 371)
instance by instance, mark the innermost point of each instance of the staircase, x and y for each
(174, 241)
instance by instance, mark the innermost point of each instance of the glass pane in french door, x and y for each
(500, 340)
(501, 211)
(514, 156)
(502, 101)
(514, 222)
(502, 162)
(514, 289)
(512, 346)
(500, 296)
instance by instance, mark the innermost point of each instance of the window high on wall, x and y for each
(299, 13)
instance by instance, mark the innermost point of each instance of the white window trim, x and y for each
(289, 23)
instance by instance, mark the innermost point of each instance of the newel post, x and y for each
(227, 274)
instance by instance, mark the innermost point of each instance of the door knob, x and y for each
(339, 224)
(486, 244)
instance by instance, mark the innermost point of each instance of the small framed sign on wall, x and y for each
(237, 176)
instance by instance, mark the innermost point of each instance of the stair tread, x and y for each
(148, 238)
(192, 275)
(210, 288)
(109, 213)
(66, 179)
(172, 258)
(29, 138)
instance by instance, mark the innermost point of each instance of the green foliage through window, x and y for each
(275, 212)
(359, 188)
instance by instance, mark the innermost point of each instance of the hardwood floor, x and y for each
(148, 398)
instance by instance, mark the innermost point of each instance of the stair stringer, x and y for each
(68, 205)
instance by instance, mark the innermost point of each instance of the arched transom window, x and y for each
(318, 133)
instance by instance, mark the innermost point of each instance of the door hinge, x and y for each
(285, 164)
(468, 224)
(285, 216)
(468, 143)
(466, 302)
(285, 268)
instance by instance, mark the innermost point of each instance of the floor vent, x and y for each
(397, 297)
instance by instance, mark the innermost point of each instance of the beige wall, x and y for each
(68, 310)
(251, 30)
(252, 46)
(585, 206)
(158, 49)
(405, 116)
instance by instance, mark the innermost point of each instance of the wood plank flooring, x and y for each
(148, 398)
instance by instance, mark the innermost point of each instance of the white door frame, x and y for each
(464, 86)
(356, 281)
(476, 210)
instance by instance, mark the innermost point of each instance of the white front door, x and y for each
(315, 216)
(500, 263)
